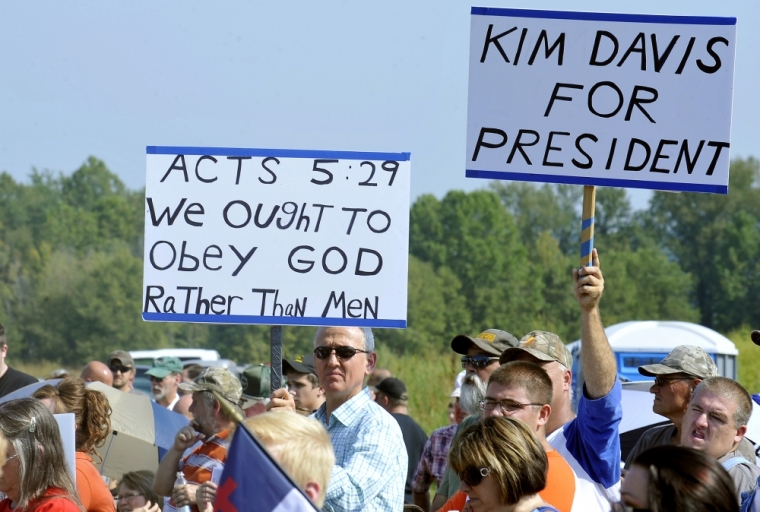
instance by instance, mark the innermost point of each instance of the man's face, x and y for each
(343, 378)
(512, 395)
(483, 373)
(708, 424)
(203, 417)
(672, 394)
(122, 374)
(165, 388)
(561, 379)
(305, 394)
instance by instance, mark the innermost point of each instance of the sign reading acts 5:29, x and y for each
(276, 236)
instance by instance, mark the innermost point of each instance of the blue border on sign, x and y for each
(284, 153)
(601, 182)
(272, 320)
(601, 16)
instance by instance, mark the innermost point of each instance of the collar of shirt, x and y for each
(348, 413)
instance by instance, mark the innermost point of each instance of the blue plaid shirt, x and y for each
(370, 457)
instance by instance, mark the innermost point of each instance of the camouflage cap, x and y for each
(683, 359)
(544, 346)
(492, 341)
(216, 379)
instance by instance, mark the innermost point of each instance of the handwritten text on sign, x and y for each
(276, 236)
(600, 99)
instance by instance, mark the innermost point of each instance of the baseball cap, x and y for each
(122, 356)
(544, 346)
(216, 379)
(163, 366)
(458, 385)
(255, 381)
(301, 364)
(683, 359)
(755, 336)
(492, 341)
(393, 387)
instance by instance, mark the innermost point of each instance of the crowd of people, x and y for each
(342, 430)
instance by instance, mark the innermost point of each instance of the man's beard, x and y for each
(473, 391)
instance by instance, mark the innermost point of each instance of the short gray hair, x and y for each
(369, 338)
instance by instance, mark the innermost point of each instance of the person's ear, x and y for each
(312, 490)
(371, 362)
(567, 379)
(740, 433)
(543, 414)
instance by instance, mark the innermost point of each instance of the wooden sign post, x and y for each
(587, 224)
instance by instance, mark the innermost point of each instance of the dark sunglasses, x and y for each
(478, 361)
(341, 352)
(122, 369)
(472, 476)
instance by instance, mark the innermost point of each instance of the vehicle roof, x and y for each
(663, 336)
(180, 353)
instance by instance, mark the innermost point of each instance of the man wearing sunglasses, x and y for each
(122, 367)
(480, 358)
(675, 379)
(370, 469)
(590, 442)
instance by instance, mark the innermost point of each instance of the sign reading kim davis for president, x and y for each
(279, 237)
(617, 100)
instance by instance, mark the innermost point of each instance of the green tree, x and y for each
(713, 237)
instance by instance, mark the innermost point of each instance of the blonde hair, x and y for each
(301, 445)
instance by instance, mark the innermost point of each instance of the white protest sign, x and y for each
(279, 237)
(618, 100)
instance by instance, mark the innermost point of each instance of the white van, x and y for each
(146, 357)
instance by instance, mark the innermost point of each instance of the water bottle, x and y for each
(181, 481)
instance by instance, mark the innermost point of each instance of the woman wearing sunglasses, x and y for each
(501, 465)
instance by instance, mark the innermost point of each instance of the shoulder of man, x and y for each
(660, 435)
(21, 376)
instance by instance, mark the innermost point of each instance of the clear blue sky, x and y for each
(109, 78)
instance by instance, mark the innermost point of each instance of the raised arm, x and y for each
(598, 360)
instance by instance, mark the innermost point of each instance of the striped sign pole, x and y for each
(587, 225)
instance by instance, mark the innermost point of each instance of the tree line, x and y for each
(71, 249)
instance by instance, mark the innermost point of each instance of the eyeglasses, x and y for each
(660, 382)
(127, 496)
(122, 369)
(472, 476)
(506, 406)
(342, 352)
(10, 458)
(478, 361)
(153, 378)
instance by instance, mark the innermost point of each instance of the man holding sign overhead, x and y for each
(590, 442)
(370, 469)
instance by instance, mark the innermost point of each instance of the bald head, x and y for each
(97, 371)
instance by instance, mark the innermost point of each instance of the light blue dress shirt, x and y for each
(370, 457)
